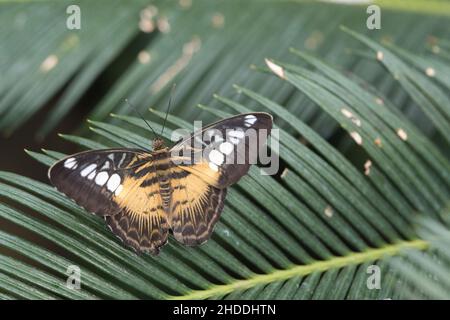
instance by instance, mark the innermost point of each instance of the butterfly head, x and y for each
(158, 144)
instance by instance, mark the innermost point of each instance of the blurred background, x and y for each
(53, 78)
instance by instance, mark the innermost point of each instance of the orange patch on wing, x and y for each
(203, 171)
(190, 196)
(135, 200)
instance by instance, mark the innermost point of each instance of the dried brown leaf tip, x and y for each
(146, 26)
(149, 12)
(402, 134)
(380, 55)
(357, 137)
(379, 101)
(218, 20)
(367, 166)
(149, 20)
(185, 4)
(278, 70)
(146, 23)
(431, 72)
(328, 211)
(378, 143)
(347, 113)
(303, 141)
(436, 49)
(144, 57)
(314, 40)
(163, 25)
(49, 63)
(189, 49)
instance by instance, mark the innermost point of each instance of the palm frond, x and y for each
(311, 231)
(426, 274)
(64, 65)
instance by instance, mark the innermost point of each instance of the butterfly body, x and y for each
(143, 195)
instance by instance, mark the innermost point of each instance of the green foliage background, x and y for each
(346, 96)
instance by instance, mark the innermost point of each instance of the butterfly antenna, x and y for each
(172, 92)
(140, 115)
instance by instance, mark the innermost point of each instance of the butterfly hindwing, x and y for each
(195, 207)
(142, 222)
(221, 153)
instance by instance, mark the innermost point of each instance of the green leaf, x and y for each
(147, 57)
(364, 175)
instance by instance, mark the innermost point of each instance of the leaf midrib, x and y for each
(303, 270)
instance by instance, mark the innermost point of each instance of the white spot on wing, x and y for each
(251, 119)
(226, 148)
(236, 133)
(201, 141)
(234, 140)
(113, 182)
(70, 163)
(92, 175)
(88, 170)
(216, 157)
(213, 167)
(101, 178)
(105, 166)
(218, 138)
(122, 159)
(118, 190)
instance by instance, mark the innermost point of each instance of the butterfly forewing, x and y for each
(220, 159)
(222, 152)
(94, 178)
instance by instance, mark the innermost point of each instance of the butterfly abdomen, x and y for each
(163, 168)
(166, 193)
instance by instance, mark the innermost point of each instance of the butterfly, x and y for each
(143, 196)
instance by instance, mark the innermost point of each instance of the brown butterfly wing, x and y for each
(120, 185)
(92, 178)
(212, 165)
(227, 147)
(195, 207)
